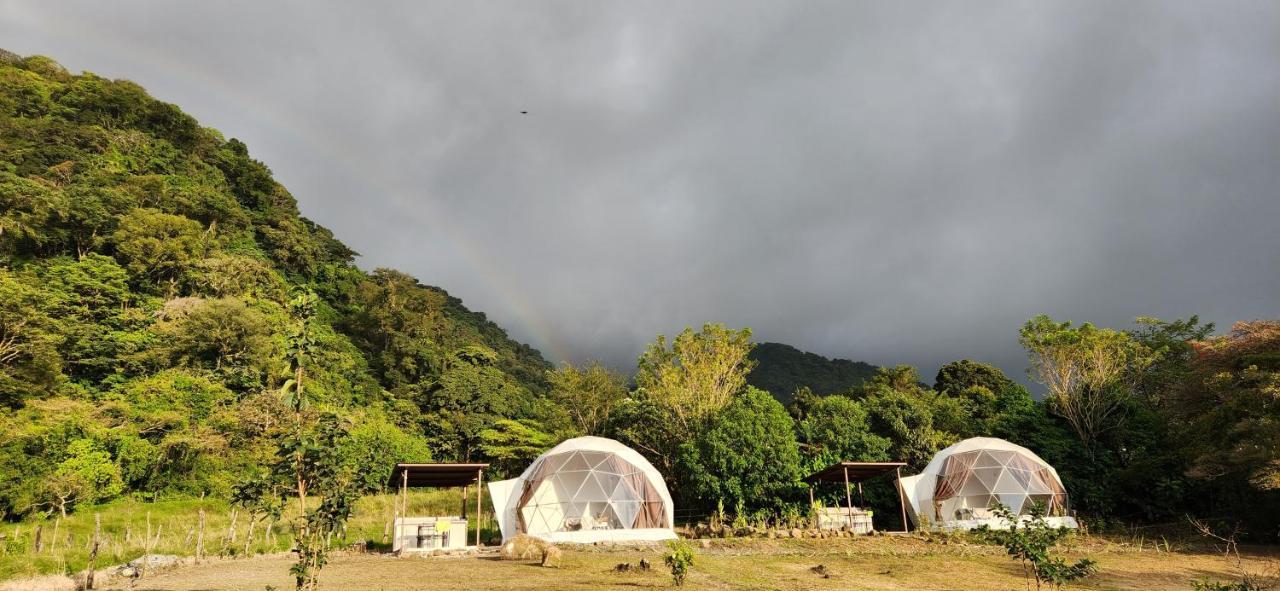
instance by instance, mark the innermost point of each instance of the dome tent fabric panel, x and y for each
(962, 483)
(586, 489)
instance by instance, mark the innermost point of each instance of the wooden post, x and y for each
(93, 552)
(38, 543)
(848, 498)
(901, 503)
(200, 538)
(861, 501)
(53, 544)
(404, 507)
(404, 493)
(479, 495)
(248, 536)
(386, 529)
(813, 510)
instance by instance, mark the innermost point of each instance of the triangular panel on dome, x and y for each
(591, 489)
(986, 460)
(626, 511)
(552, 464)
(1013, 501)
(1008, 484)
(608, 483)
(1002, 456)
(576, 463)
(988, 476)
(594, 459)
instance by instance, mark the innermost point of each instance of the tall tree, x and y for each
(1231, 404)
(746, 456)
(588, 394)
(698, 374)
(1090, 372)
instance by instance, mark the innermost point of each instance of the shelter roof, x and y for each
(858, 471)
(436, 475)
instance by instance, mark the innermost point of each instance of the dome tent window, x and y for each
(586, 489)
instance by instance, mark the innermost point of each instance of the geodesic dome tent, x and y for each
(964, 482)
(587, 489)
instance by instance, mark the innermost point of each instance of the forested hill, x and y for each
(151, 274)
(781, 369)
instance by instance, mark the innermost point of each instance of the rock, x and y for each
(622, 567)
(744, 532)
(821, 570)
(552, 556)
(645, 565)
(796, 533)
(704, 543)
(771, 534)
(127, 572)
(150, 561)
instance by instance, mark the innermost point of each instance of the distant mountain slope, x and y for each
(782, 368)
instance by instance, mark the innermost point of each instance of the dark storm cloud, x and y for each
(897, 182)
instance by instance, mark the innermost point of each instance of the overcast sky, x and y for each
(894, 182)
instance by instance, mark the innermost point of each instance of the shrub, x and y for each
(1031, 543)
(679, 558)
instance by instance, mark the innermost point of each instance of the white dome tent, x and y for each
(964, 482)
(587, 489)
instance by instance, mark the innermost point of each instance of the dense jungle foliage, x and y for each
(150, 340)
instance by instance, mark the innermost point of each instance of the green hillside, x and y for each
(782, 369)
(150, 274)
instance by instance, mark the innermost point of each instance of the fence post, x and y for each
(200, 538)
(93, 552)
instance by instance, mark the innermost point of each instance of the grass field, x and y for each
(173, 528)
(880, 562)
(875, 562)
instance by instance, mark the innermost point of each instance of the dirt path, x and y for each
(879, 565)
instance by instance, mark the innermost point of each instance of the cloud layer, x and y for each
(893, 182)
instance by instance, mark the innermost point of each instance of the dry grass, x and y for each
(41, 583)
(881, 563)
(131, 528)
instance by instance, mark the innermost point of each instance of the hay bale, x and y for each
(522, 547)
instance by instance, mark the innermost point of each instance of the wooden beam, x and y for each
(848, 498)
(813, 509)
(479, 495)
(901, 501)
(403, 502)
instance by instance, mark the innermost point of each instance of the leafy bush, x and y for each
(679, 557)
(1031, 543)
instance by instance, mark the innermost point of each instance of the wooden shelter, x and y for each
(851, 473)
(406, 476)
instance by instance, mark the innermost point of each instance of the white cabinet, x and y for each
(424, 534)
